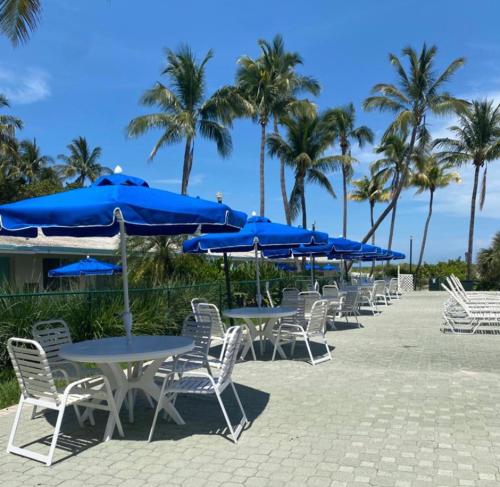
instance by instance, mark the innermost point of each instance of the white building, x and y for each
(25, 262)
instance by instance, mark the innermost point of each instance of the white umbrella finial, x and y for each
(254, 213)
(118, 169)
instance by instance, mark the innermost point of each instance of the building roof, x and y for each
(59, 245)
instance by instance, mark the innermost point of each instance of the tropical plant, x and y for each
(343, 120)
(476, 139)
(8, 126)
(418, 92)
(392, 166)
(307, 136)
(82, 164)
(32, 164)
(429, 175)
(281, 65)
(373, 190)
(18, 18)
(185, 111)
(488, 262)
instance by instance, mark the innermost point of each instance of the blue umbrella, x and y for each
(86, 267)
(259, 233)
(117, 204)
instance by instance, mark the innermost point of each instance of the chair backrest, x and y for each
(379, 287)
(195, 302)
(208, 309)
(51, 335)
(309, 298)
(317, 322)
(330, 291)
(351, 300)
(232, 342)
(393, 285)
(200, 330)
(32, 370)
(289, 297)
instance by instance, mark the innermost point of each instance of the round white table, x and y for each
(108, 353)
(263, 318)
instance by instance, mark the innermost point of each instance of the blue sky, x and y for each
(88, 63)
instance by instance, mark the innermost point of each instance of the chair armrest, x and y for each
(93, 380)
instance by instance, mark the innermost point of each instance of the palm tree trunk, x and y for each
(372, 207)
(261, 172)
(344, 195)
(186, 167)
(303, 206)
(286, 205)
(402, 182)
(424, 236)
(393, 215)
(470, 247)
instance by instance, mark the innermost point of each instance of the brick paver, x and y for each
(400, 405)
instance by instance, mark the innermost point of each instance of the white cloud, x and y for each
(24, 87)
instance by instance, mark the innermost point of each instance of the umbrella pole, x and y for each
(228, 281)
(257, 275)
(312, 270)
(127, 316)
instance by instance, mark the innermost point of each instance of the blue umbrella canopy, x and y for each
(117, 204)
(258, 233)
(86, 267)
(96, 211)
(332, 246)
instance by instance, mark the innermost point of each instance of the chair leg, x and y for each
(78, 416)
(155, 418)
(55, 436)
(236, 395)
(327, 348)
(306, 339)
(15, 424)
(226, 417)
(276, 345)
(292, 348)
(33, 413)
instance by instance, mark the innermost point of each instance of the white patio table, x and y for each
(260, 323)
(109, 353)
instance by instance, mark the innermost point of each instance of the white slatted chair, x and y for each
(330, 291)
(350, 306)
(204, 384)
(289, 297)
(393, 290)
(314, 328)
(309, 298)
(195, 302)
(368, 296)
(200, 331)
(38, 388)
(219, 327)
(379, 294)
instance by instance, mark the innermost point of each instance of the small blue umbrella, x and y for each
(86, 267)
(117, 204)
(259, 233)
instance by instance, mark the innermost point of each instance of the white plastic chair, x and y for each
(330, 292)
(350, 306)
(379, 294)
(289, 297)
(314, 328)
(38, 388)
(197, 358)
(309, 298)
(219, 327)
(204, 384)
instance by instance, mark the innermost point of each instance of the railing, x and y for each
(98, 313)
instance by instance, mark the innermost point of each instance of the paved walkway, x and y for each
(400, 405)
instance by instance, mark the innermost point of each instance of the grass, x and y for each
(9, 388)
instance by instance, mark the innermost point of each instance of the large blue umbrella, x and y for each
(259, 233)
(86, 267)
(117, 204)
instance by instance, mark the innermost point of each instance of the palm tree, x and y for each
(477, 140)
(392, 166)
(18, 18)
(488, 262)
(32, 164)
(82, 163)
(431, 174)
(185, 111)
(281, 64)
(307, 136)
(418, 93)
(8, 126)
(343, 121)
(371, 189)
